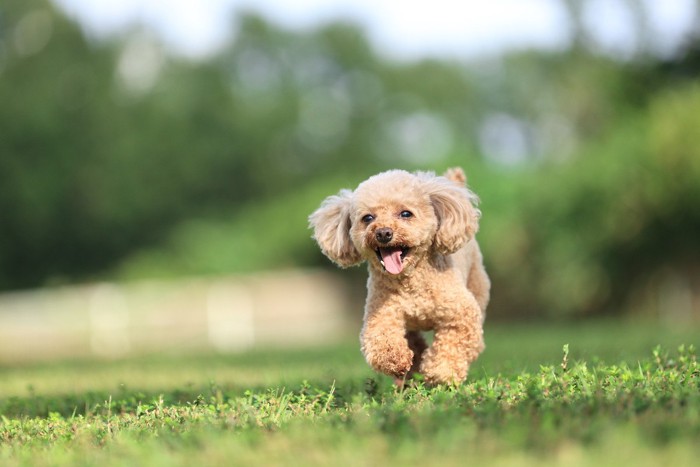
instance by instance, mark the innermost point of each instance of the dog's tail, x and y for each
(456, 174)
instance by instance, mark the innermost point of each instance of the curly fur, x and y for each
(439, 284)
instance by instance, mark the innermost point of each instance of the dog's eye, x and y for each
(367, 218)
(406, 214)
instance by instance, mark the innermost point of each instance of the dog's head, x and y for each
(396, 218)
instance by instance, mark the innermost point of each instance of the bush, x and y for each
(590, 236)
(599, 234)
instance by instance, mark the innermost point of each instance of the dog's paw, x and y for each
(392, 360)
(443, 371)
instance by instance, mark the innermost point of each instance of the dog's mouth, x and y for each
(392, 258)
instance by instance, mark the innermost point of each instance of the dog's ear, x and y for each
(331, 224)
(458, 218)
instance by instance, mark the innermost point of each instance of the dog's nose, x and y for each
(384, 235)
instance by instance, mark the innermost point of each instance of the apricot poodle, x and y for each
(416, 232)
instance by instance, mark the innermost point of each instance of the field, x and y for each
(603, 393)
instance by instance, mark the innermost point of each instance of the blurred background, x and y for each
(159, 159)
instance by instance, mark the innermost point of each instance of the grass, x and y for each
(618, 393)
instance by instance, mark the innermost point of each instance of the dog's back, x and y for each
(469, 259)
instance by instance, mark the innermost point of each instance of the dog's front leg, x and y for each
(457, 343)
(384, 344)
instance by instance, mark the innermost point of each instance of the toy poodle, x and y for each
(416, 232)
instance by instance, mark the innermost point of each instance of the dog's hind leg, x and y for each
(416, 342)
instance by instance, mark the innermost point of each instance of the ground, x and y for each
(595, 393)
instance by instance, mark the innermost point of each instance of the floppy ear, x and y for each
(331, 224)
(458, 218)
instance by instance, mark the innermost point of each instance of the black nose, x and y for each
(384, 234)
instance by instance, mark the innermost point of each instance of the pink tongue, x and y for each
(392, 260)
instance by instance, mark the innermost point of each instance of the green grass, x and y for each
(609, 397)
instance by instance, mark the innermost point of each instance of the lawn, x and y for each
(605, 393)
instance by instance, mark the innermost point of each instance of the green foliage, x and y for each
(605, 229)
(642, 411)
(259, 236)
(111, 167)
